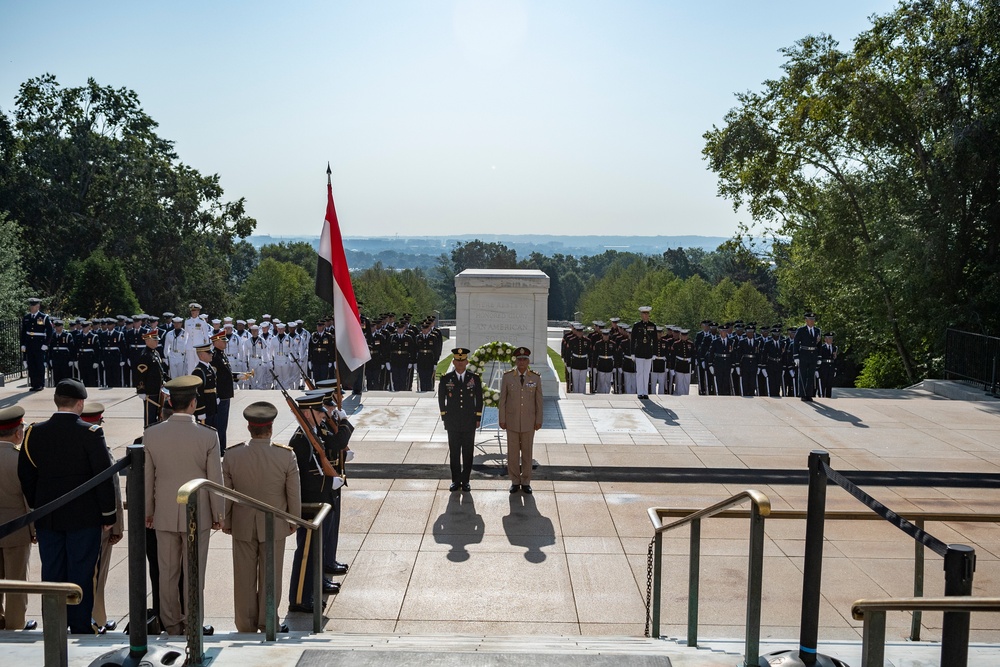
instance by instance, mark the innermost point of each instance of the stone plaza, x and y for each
(436, 571)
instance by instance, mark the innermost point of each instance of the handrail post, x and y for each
(195, 640)
(959, 566)
(694, 570)
(318, 579)
(657, 581)
(812, 573)
(269, 592)
(873, 639)
(136, 497)
(918, 583)
(755, 573)
(54, 624)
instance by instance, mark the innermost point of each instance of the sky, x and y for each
(437, 117)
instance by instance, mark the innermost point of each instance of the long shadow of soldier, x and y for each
(657, 411)
(837, 415)
(526, 527)
(459, 526)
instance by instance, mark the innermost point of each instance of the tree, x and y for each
(99, 288)
(481, 255)
(881, 166)
(282, 289)
(385, 290)
(84, 169)
(747, 304)
(13, 291)
(243, 260)
(299, 253)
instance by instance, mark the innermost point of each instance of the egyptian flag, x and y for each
(333, 285)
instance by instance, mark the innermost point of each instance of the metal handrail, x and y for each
(55, 597)
(187, 495)
(872, 612)
(760, 508)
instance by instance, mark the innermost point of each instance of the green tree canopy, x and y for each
(295, 252)
(84, 169)
(283, 290)
(99, 288)
(880, 165)
(13, 291)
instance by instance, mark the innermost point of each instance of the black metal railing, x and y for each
(973, 359)
(10, 349)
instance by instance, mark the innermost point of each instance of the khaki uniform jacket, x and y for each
(268, 472)
(177, 451)
(521, 404)
(12, 502)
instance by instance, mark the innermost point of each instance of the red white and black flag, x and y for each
(333, 285)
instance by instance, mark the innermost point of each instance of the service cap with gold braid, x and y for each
(152, 333)
(183, 387)
(460, 354)
(207, 347)
(522, 353)
(11, 417)
(219, 336)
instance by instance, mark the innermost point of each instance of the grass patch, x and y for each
(442, 366)
(558, 363)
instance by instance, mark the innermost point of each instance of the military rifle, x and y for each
(305, 376)
(307, 431)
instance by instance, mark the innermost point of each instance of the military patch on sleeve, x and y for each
(94, 428)
(278, 444)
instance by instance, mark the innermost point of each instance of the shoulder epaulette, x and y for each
(278, 444)
(534, 372)
(510, 371)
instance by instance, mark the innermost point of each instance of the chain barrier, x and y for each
(649, 581)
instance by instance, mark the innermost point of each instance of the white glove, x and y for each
(817, 375)
(411, 367)
(711, 369)
(309, 366)
(339, 414)
(72, 364)
(24, 349)
(218, 400)
(121, 363)
(24, 364)
(796, 363)
(632, 357)
(44, 348)
(337, 482)
(738, 371)
(349, 455)
(764, 372)
(791, 372)
(388, 366)
(97, 365)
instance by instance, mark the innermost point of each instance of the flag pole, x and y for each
(339, 393)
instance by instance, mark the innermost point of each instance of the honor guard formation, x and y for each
(730, 359)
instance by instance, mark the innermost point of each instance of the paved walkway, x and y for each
(571, 559)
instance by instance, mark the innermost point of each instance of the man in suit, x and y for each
(520, 415)
(178, 450)
(57, 456)
(268, 472)
(16, 547)
(805, 349)
(460, 398)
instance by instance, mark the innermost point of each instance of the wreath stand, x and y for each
(491, 361)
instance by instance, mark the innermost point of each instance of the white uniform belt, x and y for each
(36, 333)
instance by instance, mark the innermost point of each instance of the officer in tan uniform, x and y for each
(268, 472)
(520, 415)
(178, 450)
(16, 547)
(93, 413)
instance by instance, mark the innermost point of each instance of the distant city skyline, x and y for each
(440, 117)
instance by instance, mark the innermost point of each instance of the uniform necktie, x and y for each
(522, 379)
(461, 378)
(810, 331)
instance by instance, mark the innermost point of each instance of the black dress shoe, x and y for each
(283, 628)
(110, 626)
(31, 625)
(466, 487)
(527, 489)
(514, 488)
(454, 487)
(336, 568)
(207, 630)
(331, 587)
(300, 609)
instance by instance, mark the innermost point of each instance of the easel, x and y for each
(491, 419)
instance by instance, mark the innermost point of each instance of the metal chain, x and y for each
(649, 581)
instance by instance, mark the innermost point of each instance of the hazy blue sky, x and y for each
(438, 117)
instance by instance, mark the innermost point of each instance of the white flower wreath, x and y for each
(495, 351)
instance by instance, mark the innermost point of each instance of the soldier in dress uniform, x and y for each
(175, 348)
(684, 362)
(627, 361)
(602, 362)
(375, 368)
(428, 350)
(266, 471)
(658, 371)
(114, 355)
(577, 359)
(805, 348)
(402, 354)
(208, 403)
(746, 355)
(57, 456)
(520, 410)
(720, 361)
(178, 450)
(150, 375)
(701, 368)
(16, 547)
(281, 347)
(134, 345)
(827, 370)
(93, 413)
(460, 399)
(258, 358)
(36, 330)
(321, 346)
(771, 356)
(89, 355)
(643, 338)
(62, 353)
(225, 384)
(197, 332)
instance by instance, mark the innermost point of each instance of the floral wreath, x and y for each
(495, 351)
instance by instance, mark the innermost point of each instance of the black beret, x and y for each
(71, 389)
